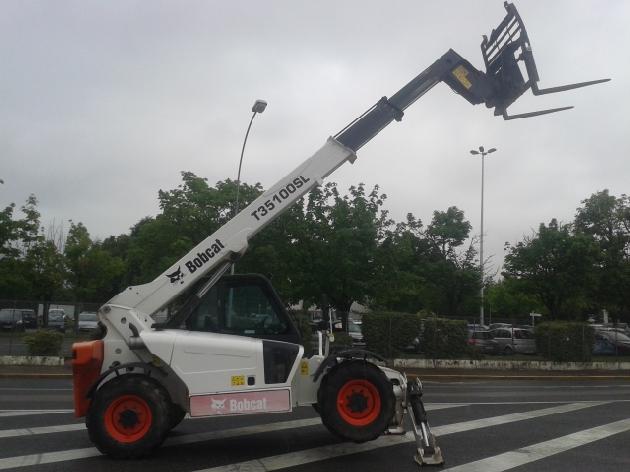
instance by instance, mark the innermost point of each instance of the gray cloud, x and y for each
(104, 103)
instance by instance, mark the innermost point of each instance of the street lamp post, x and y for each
(483, 154)
(258, 107)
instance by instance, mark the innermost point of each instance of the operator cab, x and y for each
(243, 305)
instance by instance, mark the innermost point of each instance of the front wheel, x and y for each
(356, 401)
(128, 417)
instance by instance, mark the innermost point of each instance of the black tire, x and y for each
(508, 350)
(128, 417)
(356, 401)
(175, 415)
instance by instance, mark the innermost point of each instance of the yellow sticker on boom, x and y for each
(304, 368)
(461, 74)
(238, 380)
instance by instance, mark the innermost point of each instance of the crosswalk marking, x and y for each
(72, 454)
(509, 418)
(292, 459)
(5, 413)
(299, 457)
(538, 451)
(10, 433)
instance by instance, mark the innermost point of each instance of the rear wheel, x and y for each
(508, 350)
(128, 417)
(356, 401)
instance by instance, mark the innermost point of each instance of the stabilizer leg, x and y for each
(428, 452)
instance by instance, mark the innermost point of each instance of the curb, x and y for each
(516, 377)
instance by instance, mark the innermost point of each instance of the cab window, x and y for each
(242, 309)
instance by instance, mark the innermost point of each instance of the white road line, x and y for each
(544, 449)
(307, 456)
(10, 433)
(509, 418)
(298, 457)
(5, 413)
(72, 454)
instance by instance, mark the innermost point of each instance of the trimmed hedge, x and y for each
(443, 338)
(564, 341)
(44, 343)
(390, 333)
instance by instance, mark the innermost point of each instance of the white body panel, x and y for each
(206, 362)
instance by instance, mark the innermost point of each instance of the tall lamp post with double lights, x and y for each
(258, 107)
(483, 154)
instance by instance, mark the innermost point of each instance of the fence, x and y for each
(409, 335)
(18, 318)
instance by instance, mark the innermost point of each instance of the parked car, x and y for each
(354, 330)
(620, 342)
(29, 318)
(88, 321)
(476, 327)
(514, 340)
(11, 319)
(56, 320)
(499, 325)
(602, 346)
(483, 341)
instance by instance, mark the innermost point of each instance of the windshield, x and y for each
(55, 317)
(88, 317)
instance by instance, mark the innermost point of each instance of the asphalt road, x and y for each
(549, 425)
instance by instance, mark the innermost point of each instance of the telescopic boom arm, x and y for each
(498, 87)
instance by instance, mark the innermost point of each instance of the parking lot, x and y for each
(550, 425)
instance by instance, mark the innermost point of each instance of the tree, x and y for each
(399, 284)
(189, 214)
(338, 246)
(506, 300)
(448, 230)
(606, 219)
(556, 266)
(93, 273)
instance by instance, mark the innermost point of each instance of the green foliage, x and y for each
(44, 343)
(342, 342)
(565, 341)
(556, 266)
(443, 338)
(390, 333)
(606, 220)
(507, 300)
(338, 244)
(426, 269)
(93, 273)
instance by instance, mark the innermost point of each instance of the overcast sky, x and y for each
(104, 103)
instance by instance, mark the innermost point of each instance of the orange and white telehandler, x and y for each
(231, 348)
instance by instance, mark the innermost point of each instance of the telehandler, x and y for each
(231, 348)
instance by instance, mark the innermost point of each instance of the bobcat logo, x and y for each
(177, 276)
(217, 404)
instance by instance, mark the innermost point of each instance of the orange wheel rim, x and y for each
(128, 418)
(358, 402)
